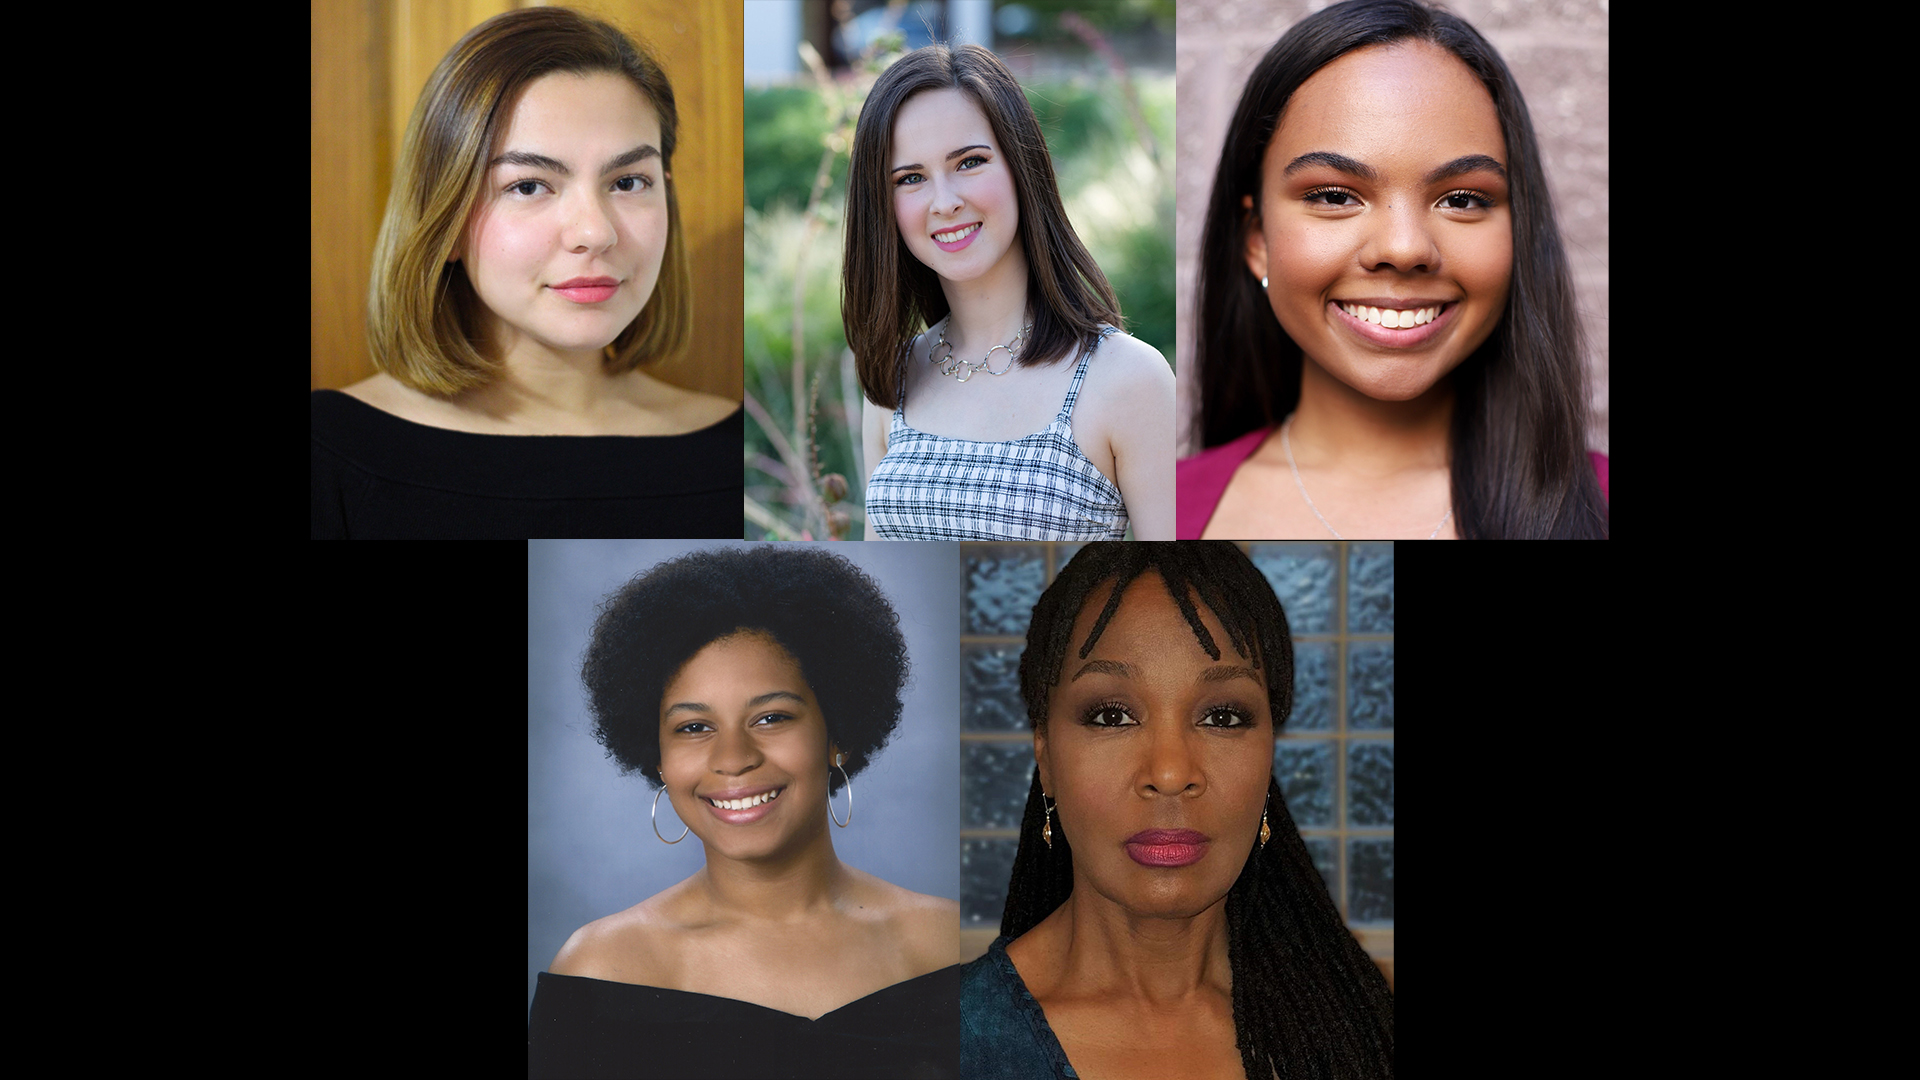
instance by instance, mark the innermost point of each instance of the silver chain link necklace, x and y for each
(1287, 445)
(963, 370)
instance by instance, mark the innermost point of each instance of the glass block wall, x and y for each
(1334, 757)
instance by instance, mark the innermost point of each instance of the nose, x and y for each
(946, 198)
(1401, 239)
(1171, 767)
(735, 753)
(588, 225)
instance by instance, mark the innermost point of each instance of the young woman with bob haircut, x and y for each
(751, 687)
(964, 290)
(1164, 917)
(1387, 341)
(530, 264)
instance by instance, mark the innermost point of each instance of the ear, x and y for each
(1256, 240)
(1040, 759)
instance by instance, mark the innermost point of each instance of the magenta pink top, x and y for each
(1200, 480)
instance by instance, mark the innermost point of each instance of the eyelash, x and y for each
(902, 181)
(1485, 202)
(646, 183)
(1241, 718)
(687, 728)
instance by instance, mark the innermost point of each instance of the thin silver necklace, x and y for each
(1287, 445)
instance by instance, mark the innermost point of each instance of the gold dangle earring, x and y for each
(1047, 832)
(1265, 832)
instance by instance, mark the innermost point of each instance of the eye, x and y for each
(910, 178)
(1466, 200)
(1109, 716)
(1227, 716)
(972, 158)
(1340, 197)
(773, 718)
(693, 727)
(517, 185)
(641, 183)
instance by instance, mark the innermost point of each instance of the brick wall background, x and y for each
(1556, 49)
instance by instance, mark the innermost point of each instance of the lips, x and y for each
(584, 290)
(1167, 847)
(1368, 321)
(961, 237)
(742, 806)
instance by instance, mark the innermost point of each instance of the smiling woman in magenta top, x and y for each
(1387, 344)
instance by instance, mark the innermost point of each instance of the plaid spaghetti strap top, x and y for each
(1040, 487)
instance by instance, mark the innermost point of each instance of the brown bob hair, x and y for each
(887, 294)
(422, 313)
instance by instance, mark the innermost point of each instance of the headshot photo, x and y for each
(526, 272)
(1164, 915)
(742, 804)
(1393, 271)
(978, 338)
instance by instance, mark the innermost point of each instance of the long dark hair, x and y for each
(1307, 1002)
(1520, 469)
(886, 294)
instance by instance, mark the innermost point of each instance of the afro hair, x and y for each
(826, 612)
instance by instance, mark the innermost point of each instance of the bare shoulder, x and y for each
(927, 928)
(638, 945)
(1126, 361)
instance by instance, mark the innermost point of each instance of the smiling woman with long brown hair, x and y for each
(1003, 401)
(1164, 917)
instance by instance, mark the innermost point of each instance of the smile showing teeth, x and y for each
(1389, 317)
(957, 234)
(750, 801)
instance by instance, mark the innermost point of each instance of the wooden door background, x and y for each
(370, 59)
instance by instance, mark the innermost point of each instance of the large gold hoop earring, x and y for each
(656, 820)
(848, 780)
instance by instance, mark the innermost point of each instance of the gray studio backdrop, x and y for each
(590, 851)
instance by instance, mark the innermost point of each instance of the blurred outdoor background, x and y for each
(1100, 78)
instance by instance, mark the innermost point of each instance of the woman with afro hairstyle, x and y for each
(1164, 918)
(750, 686)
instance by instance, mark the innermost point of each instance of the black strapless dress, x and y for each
(594, 1028)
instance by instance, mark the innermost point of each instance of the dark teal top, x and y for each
(1003, 1033)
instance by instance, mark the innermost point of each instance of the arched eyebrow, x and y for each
(1457, 167)
(531, 160)
(950, 157)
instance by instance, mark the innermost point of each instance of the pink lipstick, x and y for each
(583, 290)
(960, 243)
(1167, 847)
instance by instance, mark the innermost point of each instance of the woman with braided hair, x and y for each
(1164, 918)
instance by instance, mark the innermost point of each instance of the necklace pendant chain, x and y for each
(1287, 445)
(962, 370)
